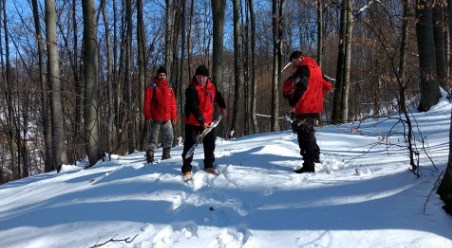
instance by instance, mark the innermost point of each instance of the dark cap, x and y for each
(296, 55)
(202, 70)
(161, 70)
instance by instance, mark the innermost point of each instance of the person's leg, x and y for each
(189, 141)
(306, 141)
(167, 139)
(209, 149)
(153, 140)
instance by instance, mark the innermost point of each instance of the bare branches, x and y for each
(113, 240)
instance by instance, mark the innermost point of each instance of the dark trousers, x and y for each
(191, 132)
(303, 125)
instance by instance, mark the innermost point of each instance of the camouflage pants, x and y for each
(167, 135)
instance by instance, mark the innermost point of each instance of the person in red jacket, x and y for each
(160, 110)
(200, 96)
(305, 90)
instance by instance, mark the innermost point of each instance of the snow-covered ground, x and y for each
(362, 195)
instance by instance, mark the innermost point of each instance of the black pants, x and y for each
(303, 125)
(191, 132)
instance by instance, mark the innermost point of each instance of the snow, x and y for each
(362, 195)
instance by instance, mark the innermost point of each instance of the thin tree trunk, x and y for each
(168, 36)
(445, 188)
(45, 108)
(90, 58)
(347, 65)
(11, 125)
(128, 81)
(189, 39)
(142, 65)
(57, 118)
(427, 56)
(319, 31)
(337, 110)
(180, 81)
(109, 58)
(275, 78)
(440, 46)
(218, 9)
(254, 126)
(238, 70)
(78, 141)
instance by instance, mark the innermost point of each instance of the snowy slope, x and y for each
(361, 196)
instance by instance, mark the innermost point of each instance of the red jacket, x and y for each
(199, 103)
(306, 87)
(159, 101)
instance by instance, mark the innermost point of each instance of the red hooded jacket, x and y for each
(159, 101)
(311, 98)
(199, 103)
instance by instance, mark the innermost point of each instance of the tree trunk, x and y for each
(45, 108)
(11, 125)
(445, 188)
(337, 106)
(168, 36)
(438, 13)
(238, 71)
(128, 82)
(142, 65)
(90, 59)
(429, 85)
(57, 118)
(347, 64)
(180, 89)
(254, 127)
(109, 61)
(189, 37)
(218, 10)
(275, 78)
(319, 31)
(78, 141)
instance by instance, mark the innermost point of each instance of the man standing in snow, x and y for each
(305, 90)
(200, 96)
(160, 109)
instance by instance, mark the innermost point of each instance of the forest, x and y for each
(74, 72)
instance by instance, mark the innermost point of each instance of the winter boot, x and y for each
(187, 176)
(150, 157)
(166, 153)
(307, 168)
(211, 170)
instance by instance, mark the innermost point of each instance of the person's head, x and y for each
(161, 73)
(296, 57)
(202, 74)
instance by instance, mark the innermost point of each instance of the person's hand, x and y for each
(149, 120)
(173, 122)
(205, 125)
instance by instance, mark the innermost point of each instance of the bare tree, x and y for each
(57, 120)
(277, 19)
(254, 127)
(445, 188)
(427, 55)
(142, 65)
(438, 13)
(11, 125)
(128, 79)
(238, 69)
(45, 109)
(110, 81)
(218, 9)
(90, 59)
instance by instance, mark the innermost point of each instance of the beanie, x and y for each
(161, 70)
(202, 70)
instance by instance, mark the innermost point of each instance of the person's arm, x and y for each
(301, 80)
(221, 103)
(173, 107)
(147, 103)
(192, 104)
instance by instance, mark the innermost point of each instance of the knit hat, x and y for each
(161, 70)
(202, 70)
